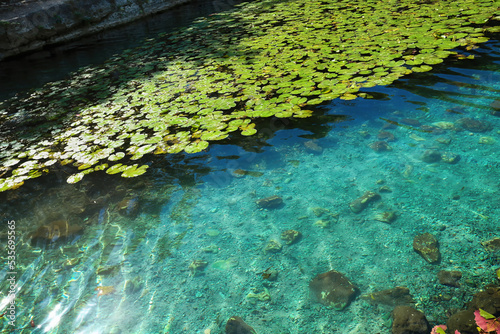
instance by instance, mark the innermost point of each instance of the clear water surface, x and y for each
(183, 248)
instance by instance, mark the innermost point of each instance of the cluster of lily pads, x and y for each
(267, 58)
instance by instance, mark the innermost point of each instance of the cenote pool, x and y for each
(245, 226)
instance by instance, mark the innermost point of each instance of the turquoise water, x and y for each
(182, 248)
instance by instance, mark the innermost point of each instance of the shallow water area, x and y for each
(183, 247)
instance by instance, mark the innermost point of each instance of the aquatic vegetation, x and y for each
(180, 91)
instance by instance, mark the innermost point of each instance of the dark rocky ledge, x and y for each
(32, 24)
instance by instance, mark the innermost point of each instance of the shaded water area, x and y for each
(191, 243)
(53, 63)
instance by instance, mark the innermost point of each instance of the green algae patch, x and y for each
(181, 91)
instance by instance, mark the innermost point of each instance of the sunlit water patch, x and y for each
(203, 237)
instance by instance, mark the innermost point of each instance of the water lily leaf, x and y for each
(117, 156)
(74, 178)
(133, 171)
(118, 168)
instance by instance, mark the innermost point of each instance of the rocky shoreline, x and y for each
(30, 25)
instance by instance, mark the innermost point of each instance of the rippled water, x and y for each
(186, 246)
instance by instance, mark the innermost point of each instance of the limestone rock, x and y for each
(427, 246)
(361, 203)
(491, 245)
(473, 125)
(431, 156)
(272, 246)
(290, 236)
(399, 295)
(407, 320)
(271, 202)
(333, 289)
(236, 325)
(449, 278)
(380, 146)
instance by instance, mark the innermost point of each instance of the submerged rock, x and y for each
(197, 266)
(431, 156)
(271, 202)
(450, 158)
(449, 278)
(492, 245)
(236, 325)
(359, 204)
(312, 146)
(385, 217)
(333, 289)
(55, 230)
(291, 236)
(380, 146)
(399, 295)
(427, 246)
(473, 125)
(407, 320)
(272, 246)
(386, 135)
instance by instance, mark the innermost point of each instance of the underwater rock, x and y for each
(411, 121)
(444, 125)
(236, 325)
(290, 236)
(473, 125)
(241, 172)
(449, 278)
(333, 289)
(263, 296)
(488, 300)
(380, 146)
(270, 274)
(431, 156)
(359, 204)
(385, 217)
(312, 146)
(495, 105)
(491, 245)
(109, 270)
(408, 320)
(427, 246)
(197, 266)
(399, 295)
(55, 230)
(104, 290)
(450, 158)
(385, 189)
(432, 129)
(443, 140)
(271, 202)
(273, 246)
(487, 140)
(128, 207)
(386, 135)
(322, 223)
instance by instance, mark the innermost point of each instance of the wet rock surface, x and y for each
(236, 325)
(271, 202)
(359, 204)
(408, 320)
(399, 295)
(449, 278)
(427, 246)
(30, 25)
(333, 289)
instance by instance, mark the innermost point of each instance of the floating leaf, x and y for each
(133, 171)
(74, 178)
